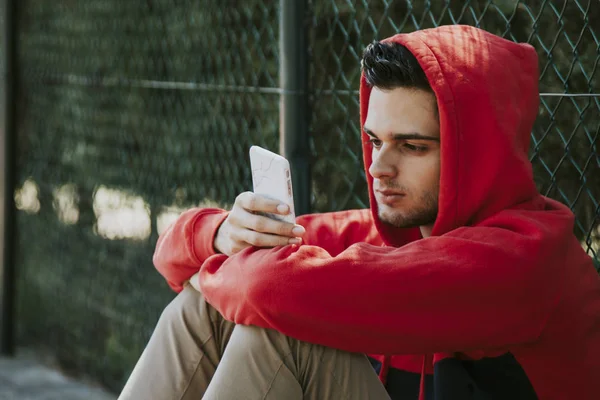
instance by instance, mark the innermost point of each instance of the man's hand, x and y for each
(245, 228)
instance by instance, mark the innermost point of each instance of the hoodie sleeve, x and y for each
(472, 288)
(188, 242)
(336, 231)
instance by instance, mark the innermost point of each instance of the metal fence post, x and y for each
(7, 160)
(294, 115)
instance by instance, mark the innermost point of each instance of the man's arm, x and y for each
(333, 232)
(202, 232)
(480, 287)
(193, 238)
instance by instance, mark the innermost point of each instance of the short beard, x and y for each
(425, 214)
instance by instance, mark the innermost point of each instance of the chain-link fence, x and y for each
(129, 112)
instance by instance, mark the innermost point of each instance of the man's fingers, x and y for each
(257, 203)
(259, 239)
(267, 225)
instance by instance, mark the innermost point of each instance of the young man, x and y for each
(460, 282)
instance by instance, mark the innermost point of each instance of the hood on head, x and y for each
(487, 96)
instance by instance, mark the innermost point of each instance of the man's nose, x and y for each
(381, 166)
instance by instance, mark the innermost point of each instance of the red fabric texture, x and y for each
(501, 272)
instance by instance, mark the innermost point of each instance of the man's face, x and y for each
(404, 130)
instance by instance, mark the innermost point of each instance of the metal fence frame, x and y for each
(7, 186)
(294, 111)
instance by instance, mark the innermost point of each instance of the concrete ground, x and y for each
(26, 378)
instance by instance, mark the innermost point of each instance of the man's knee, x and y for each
(259, 339)
(184, 307)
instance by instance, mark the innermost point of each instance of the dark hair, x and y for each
(391, 65)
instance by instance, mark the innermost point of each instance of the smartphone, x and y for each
(272, 177)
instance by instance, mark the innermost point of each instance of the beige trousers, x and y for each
(195, 354)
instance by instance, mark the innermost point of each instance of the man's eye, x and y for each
(414, 148)
(375, 143)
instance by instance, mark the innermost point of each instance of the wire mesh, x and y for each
(129, 112)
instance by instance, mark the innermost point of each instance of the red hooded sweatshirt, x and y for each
(501, 302)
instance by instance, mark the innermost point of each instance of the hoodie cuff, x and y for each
(204, 231)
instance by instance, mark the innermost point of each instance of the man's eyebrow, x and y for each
(405, 136)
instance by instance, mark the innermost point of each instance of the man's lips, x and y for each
(389, 197)
(390, 193)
